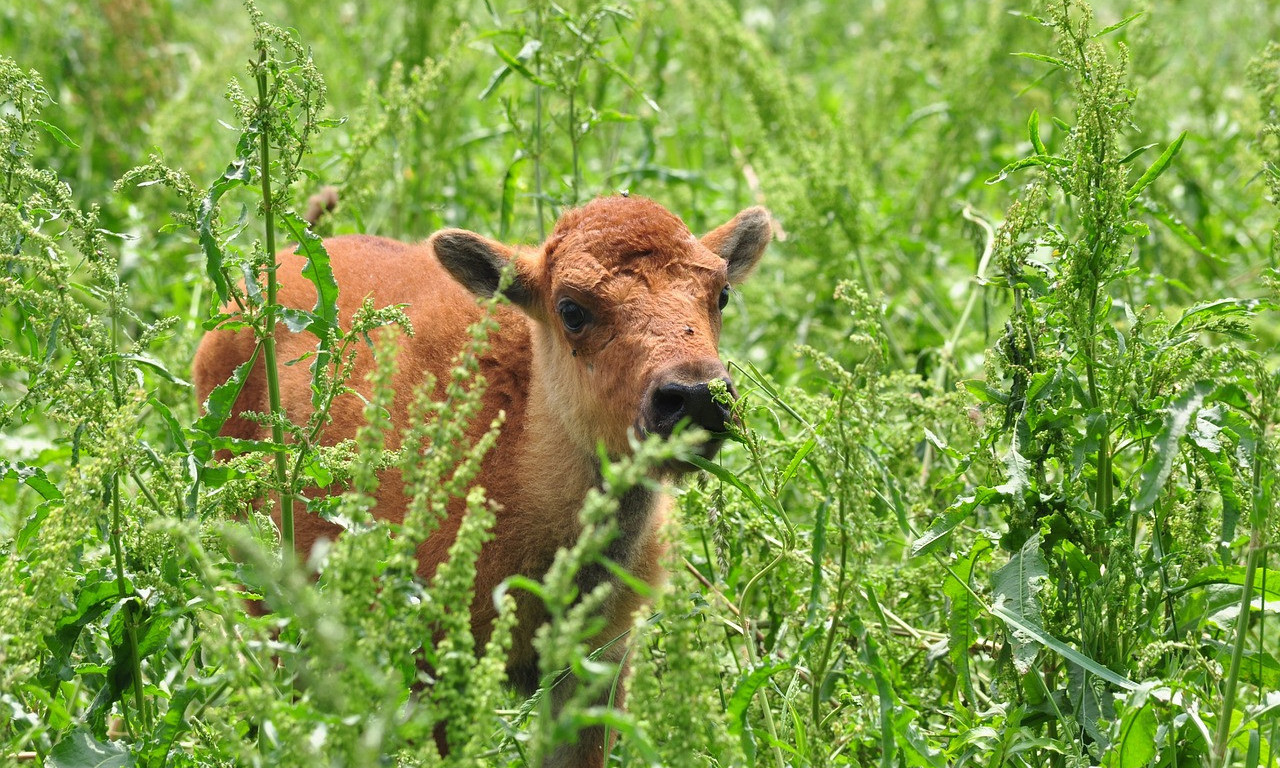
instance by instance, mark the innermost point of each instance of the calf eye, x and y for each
(572, 315)
(724, 297)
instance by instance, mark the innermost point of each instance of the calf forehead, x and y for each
(632, 239)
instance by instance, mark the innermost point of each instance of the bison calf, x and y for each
(613, 331)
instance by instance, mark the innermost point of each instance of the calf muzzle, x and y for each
(673, 400)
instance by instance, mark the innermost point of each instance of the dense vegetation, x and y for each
(1004, 491)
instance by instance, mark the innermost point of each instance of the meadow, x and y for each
(1003, 486)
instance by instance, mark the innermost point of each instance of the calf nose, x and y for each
(674, 402)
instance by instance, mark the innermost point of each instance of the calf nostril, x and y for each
(668, 404)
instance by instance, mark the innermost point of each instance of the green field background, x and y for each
(1004, 490)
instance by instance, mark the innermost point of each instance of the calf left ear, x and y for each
(741, 242)
(478, 263)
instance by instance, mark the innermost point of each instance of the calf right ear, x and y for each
(478, 263)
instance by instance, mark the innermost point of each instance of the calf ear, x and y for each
(741, 241)
(478, 263)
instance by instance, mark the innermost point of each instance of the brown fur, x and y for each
(651, 289)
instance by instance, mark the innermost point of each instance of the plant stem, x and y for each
(269, 316)
(975, 290)
(872, 287)
(1256, 548)
(748, 638)
(537, 128)
(117, 546)
(130, 618)
(829, 641)
(749, 642)
(574, 138)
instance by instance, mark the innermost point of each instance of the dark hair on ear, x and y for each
(478, 263)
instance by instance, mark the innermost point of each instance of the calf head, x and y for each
(627, 304)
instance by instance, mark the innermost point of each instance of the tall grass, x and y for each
(1002, 490)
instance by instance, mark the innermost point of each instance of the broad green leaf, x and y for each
(1015, 592)
(517, 64)
(32, 477)
(1084, 569)
(81, 750)
(740, 701)
(155, 365)
(322, 321)
(1165, 447)
(495, 80)
(173, 724)
(985, 392)
(732, 479)
(153, 634)
(172, 427)
(1016, 466)
(916, 747)
(236, 174)
(296, 320)
(816, 555)
(615, 721)
(238, 446)
(220, 401)
(964, 611)
(1090, 706)
(884, 689)
(525, 583)
(1266, 581)
(317, 471)
(943, 447)
(97, 594)
(1158, 167)
(1135, 746)
(1180, 230)
(1218, 308)
(954, 515)
(31, 528)
(794, 465)
(1061, 648)
(1028, 162)
(58, 134)
(1234, 396)
(612, 116)
(1257, 668)
(1044, 384)
(1224, 478)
